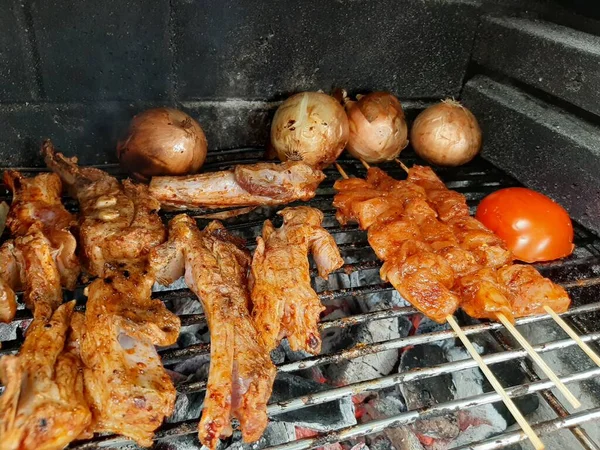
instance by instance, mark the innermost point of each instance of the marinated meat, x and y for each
(119, 223)
(43, 405)
(41, 258)
(284, 304)
(241, 373)
(246, 185)
(127, 388)
(531, 291)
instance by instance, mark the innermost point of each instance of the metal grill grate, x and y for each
(579, 274)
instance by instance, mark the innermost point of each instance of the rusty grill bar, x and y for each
(579, 274)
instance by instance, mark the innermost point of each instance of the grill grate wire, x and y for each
(579, 274)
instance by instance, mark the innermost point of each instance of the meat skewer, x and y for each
(127, 387)
(257, 184)
(441, 295)
(438, 184)
(483, 287)
(241, 374)
(283, 302)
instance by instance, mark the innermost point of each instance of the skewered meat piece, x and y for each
(424, 259)
(43, 405)
(528, 292)
(283, 302)
(245, 185)
(531, 291)
(241, 374)
(127, 388)
(119, 222)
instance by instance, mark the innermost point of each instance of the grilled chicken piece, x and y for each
(483, 295)
(423, 278)
(43, 291)
(241, 372)
(284, 303)
(118, 224)
(11, 275)
(531, 291)
(43, 405)
(246, 185)
(36, 201)
(37, 205)
(42, 256)
(128, 389)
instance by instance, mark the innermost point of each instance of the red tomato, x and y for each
(534, 227)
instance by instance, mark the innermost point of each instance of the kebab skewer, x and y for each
(421, 276)
(473, 253)
(441, 198)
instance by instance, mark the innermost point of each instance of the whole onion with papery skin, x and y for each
(162, 141)
(311, 127)
(378, 130)
(446, 134)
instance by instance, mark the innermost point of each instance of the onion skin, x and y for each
(311, 127)
(446, 134)
(378, 130)
(162, 141)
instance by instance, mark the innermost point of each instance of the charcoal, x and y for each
(278, 355)
(197, 366)
(370, 366)
(8, 331)
(391, 438)
(314, 373)
(187, 407)
(323, 418)
(382, 300)
(509, 373)
(276, 433)
(428, 392)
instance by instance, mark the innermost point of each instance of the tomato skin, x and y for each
(534, 227)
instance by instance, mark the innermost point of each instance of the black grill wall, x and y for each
(76, 71)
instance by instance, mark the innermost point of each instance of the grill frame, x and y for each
(577, 274)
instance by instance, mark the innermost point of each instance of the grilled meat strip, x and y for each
(245, 185)
(118, 224)
(127, 388)
(283, 302)
(526, 288)
(241, 374)
(41, 256)
(43, 405)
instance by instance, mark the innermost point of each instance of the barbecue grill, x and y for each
(386, 378)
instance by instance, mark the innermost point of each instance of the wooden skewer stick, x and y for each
(364, 163)
(539, 361)
(401, 164)
(535, 440)
(565, 326)
(561, 323)
(341, 171)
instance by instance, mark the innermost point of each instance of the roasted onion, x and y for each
(446, 134)
(162, 141)
(378, 130)
(310, 127)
